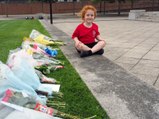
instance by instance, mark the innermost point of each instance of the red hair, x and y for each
(88, 7)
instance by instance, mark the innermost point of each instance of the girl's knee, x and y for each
(104, 42)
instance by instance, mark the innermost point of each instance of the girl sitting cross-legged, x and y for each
(86, 35)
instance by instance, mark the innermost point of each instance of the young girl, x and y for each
(86, 35)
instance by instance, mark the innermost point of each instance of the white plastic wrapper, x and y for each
(8, 80)
(34, 34)
(21, 65)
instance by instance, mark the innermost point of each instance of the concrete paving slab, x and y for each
(149, 63)
(156, 48)
(127, 60)
(126, 66)
(135, 54)
(149, 79)
(152, 55)
(145, 70)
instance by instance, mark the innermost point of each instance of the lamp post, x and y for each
(51, 17)
(7, 2)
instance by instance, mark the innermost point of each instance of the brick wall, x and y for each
(70, 7)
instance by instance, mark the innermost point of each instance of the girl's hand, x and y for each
(78, 45)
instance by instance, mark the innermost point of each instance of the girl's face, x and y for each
(89, 16)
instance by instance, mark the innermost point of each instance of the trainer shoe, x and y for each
(100, 52)
(85, 53)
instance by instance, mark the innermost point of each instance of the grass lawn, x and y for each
(77, 96)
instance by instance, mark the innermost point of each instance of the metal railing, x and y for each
(16, 7)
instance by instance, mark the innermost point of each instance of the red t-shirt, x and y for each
(86, 35)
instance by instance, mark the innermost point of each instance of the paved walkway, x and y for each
(130, 44)
(134, 45)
